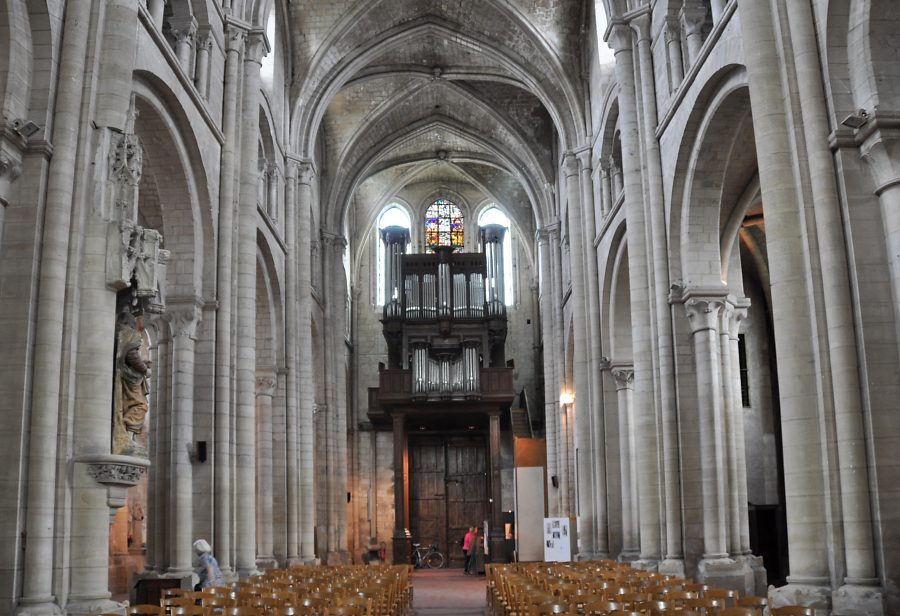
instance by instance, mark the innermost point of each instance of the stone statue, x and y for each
(131, 388)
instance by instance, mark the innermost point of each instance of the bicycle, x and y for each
(427, 556)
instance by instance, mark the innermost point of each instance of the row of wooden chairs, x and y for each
(296, 591)
(606, 588)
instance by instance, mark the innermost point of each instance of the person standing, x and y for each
(469, 542)
(207, 566)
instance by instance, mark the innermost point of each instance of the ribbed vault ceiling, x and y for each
(403, 97)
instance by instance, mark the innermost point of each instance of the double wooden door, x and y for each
(448, 490)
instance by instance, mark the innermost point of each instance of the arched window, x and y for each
(492, 215)
(392, 216)
(444, 225)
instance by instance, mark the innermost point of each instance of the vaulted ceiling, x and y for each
(392, 95)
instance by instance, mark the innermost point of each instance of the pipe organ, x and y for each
(444, 315)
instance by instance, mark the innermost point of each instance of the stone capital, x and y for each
(693, 16)
(673, 29)
(881, 150)
(619, 36)
(703, 312)
(204, 38)
(305, 173)
(234, 38)
(641, 26)
(183, 317)
(624, 376)
(266, 384)
(570, 164)
(334, 241)
(10, 169)
(256, 46)
(183, 28)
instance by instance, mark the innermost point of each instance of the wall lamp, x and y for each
(24, 127)
(566, 397)
(856, 120)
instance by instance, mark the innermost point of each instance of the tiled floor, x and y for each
(448, 592)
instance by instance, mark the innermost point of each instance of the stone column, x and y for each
(201, 74)
(606, 196)
(673, 45)
(738, 314)
(223, 446)
(787, 244)
(336, 379)
(402, 538)
(703, 311)
(624, 377)
(693, 16)
(617, 181)
(245, 424)
(592, 290)
(305, 383)
(581, 369)
(292, 359)
(265, 537)
(497, 535)
(731, 414)
(183, 318)
(157, 9)
(640, 284)
(551, 393)
(160, 443)
(272, 191)
(37, 574)
(184, 29)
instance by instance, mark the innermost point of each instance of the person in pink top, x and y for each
(469, 549)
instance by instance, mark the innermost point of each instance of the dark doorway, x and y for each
(448, 490)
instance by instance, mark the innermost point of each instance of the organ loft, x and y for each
(445, 390)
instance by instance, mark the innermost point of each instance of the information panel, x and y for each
(559, 539)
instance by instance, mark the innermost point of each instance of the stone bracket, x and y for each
(117, 473)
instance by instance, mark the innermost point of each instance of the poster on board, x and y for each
(559, 540)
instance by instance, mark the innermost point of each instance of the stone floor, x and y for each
(448, 592)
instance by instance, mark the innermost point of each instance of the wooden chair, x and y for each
(145, 609)
(722, 594)
(548, 608)
(242, 610)
(189, 610)
(601, 608)
(759, 603)
(738, 611)
(677, 598)
(651, 607)
(792, 610)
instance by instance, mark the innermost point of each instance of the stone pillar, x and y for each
(201, 73)
(562, 504)
(245, 424)
(265, 537)
(624, 377)
(693, 16)
(292, 360)
(184, 29)
(738, 314)
(402, 538)
(306, 393)
(640, 284)
(183, 318)
(497, 535)
(787, 244)
(336, 390)
(600, 547)
(37, 574)
(272, 190)
(581, 369)
(731, 415)
(223, 446)
(160, 415)
(673, 45)
(606, 196)
(551, 391)
(157, 10)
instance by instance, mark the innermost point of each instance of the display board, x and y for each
(559, 539)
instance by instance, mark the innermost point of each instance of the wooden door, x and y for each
(448, 491)
(467, 491)
(427, 492)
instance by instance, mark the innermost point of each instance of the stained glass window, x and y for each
(444, 225)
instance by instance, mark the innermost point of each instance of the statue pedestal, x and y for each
(117, 473)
